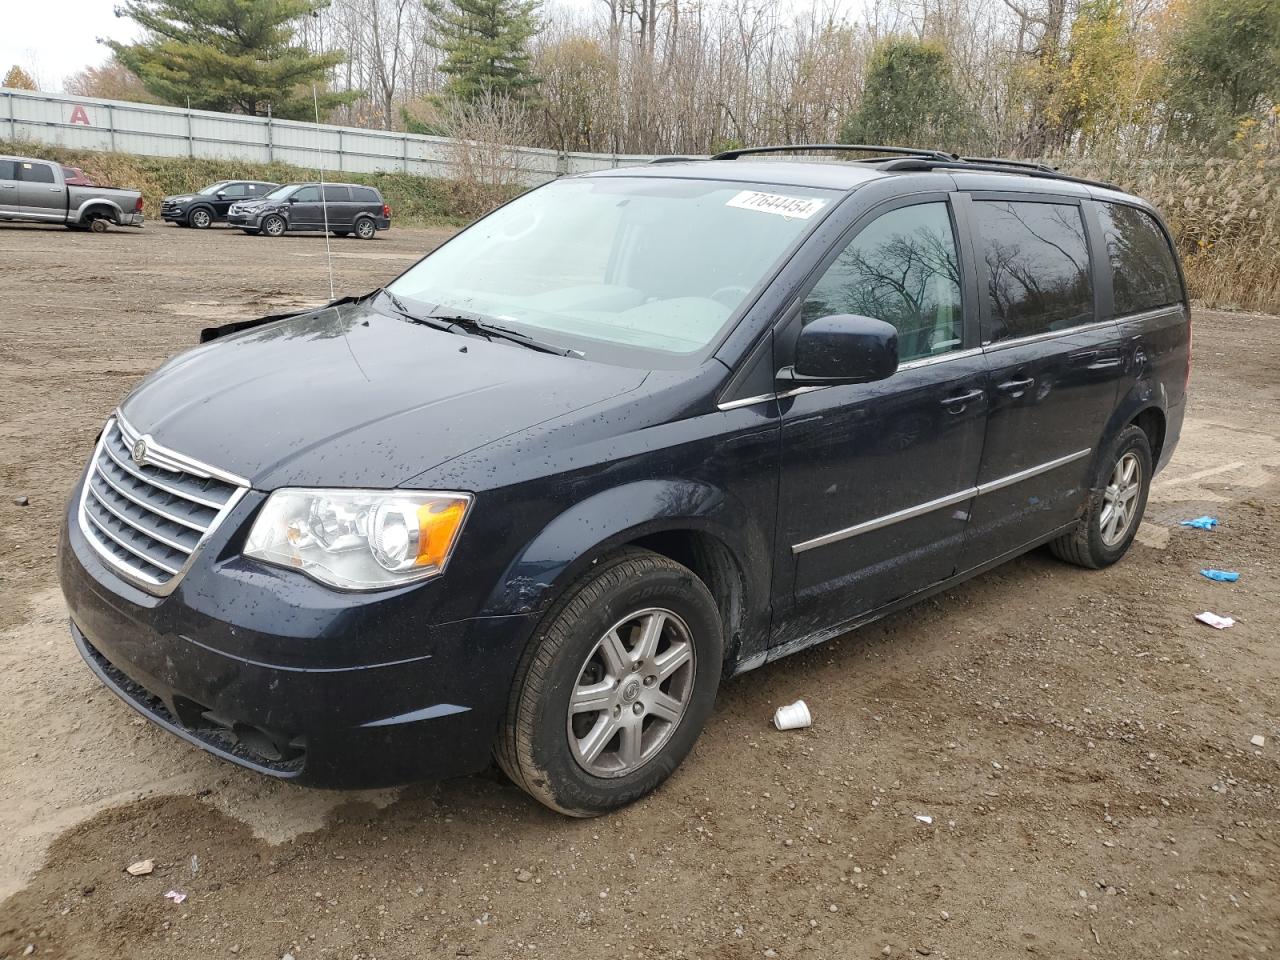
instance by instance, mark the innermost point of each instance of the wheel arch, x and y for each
(690, 522)
(1145, 405)
(98, 208)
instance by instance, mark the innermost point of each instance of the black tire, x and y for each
(273, 225)
(366, 229)
(200, 218)
(342, 233)
(99, 224)
(533, 746)
(250, 231)
(1087, 545)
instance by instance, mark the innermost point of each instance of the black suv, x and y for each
(630, 433)
(210, 205)
(342, 208)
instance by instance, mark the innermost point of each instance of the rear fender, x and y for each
(100, 207)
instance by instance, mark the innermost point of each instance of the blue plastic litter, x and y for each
(1201, 523)
(1222, 576)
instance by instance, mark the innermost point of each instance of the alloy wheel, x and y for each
(273, 226)
(1119, 500)
(631, 693)
(200, 219)
(364, 229)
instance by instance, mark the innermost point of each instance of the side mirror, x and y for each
(843, 348)
(293, 199)
(221, 195)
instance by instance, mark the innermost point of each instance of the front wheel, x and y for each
(615, 686)
(200, 219)
(1114, 508)
(274, 225)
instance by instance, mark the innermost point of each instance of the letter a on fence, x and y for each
(80, 115)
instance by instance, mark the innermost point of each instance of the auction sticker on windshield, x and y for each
(793, 208)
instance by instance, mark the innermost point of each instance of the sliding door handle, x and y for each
(1015, 386)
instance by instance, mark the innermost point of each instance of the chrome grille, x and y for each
(148, 516)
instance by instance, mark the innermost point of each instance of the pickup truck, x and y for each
(38, 191)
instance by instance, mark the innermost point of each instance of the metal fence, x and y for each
(91, 124)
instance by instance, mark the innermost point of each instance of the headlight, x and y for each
(181, 199)
(359, 539)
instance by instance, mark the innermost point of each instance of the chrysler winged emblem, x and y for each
(139, 451)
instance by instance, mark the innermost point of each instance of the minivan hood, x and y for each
(347, 396)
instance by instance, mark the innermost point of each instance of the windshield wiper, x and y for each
(483, 328)
(398, 306)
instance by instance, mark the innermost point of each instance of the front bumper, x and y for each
(243, 219)
(325, 716)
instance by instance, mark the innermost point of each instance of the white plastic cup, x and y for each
(793, 716)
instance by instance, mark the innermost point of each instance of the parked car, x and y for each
(75, 177)
(345, 208)
(210, 205)
(630, 433)
(38, 191)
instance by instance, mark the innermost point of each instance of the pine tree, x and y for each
(229, 56)
(910, 99)
(18, 79)
(485, 43)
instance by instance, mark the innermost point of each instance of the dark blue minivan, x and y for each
(630, 433)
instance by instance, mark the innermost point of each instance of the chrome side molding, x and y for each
(929, 506)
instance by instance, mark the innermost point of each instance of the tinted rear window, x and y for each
(1037, 264)
(1143, 273)
(35, 172)
(365, 195)
(334, 194)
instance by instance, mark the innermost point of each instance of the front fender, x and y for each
(568, 545)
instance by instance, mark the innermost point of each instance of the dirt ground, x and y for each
(1080, 743)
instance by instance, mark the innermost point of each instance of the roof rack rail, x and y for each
(674, 159)
(837, 147)
(1030, 164)
(976, 165)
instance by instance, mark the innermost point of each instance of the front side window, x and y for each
(1144, 275)
(1037, 264)
(307, 195)
(902, 268)
(35, 172)
(644, 271)
(232, 191)
(6, 170)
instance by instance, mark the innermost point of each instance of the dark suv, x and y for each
(341, 208)
(630, 433)
(210, 205)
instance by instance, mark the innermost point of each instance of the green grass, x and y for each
(414, 201)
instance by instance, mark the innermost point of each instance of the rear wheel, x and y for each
(250, 231)
(1115, 505)
(200, 218)
(365, 228)
(99, 224)
(273, 225)
(615, 686)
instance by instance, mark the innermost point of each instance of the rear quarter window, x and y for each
(1144, 275)
(365, 195)
(335, 194)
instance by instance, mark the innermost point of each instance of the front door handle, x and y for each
(1015, 386)
(55, 189)
(958, 403)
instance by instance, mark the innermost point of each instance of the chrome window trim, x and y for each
(159, 456)
(929, 506)
(1139, 315)
(796, 391)
(991, 346)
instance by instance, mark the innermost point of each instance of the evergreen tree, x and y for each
(1224, 64)
(485, 43)
(18, 79)
(910, 99)
(228, 55)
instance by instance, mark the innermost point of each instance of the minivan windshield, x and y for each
(279, 193)
(639, 270)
